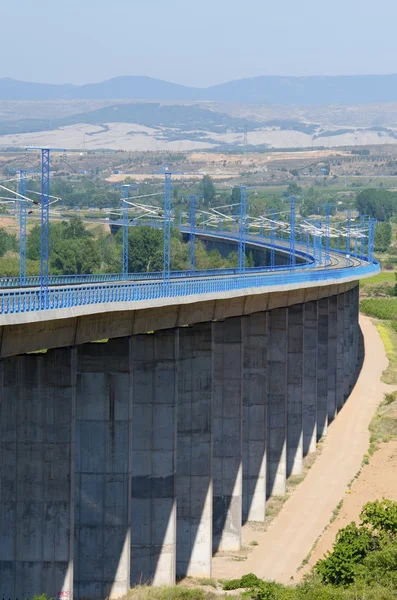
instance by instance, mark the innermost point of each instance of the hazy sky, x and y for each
(195, 42)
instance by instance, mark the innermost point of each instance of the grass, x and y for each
(145, 592)
(384, 277)
(389, 339)
(380, 308)
(383, 426)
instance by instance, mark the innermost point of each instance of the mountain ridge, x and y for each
(266, 89)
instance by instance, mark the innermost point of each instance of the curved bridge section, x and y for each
(156, 416)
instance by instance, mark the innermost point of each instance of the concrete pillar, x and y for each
(309, 407)
(154, 401)
(194, 452)
(346, 346)
(332, 356)
(255, 344)
(340, 352)
(353, 338)
(103, 470)
(37, 404)
(227, 461)
(322, 369)
(295, 390)
(277, 402)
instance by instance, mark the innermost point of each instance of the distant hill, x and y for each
(349, 89)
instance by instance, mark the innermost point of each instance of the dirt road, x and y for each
(282, 548)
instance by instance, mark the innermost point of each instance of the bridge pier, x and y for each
(309, 401)
(295, 389)
(37, 474)
(322, 369)
(132, 461)
(277, 402)
(103, 469)
(255, 374)
(228, 412)
(154, 429)
(195, 449)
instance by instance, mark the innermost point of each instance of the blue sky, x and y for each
(195, 42)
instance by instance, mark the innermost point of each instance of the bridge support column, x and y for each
(340, 357)
(346, 346)
(194, 456)
(153, 521)
(309, 408)
(295, 390)
(332, 356)
(322, 369)
(37, 412)
(227, 461)
(277, 402)
(103, 470)
(255, 344)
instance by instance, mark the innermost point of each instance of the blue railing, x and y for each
(34, 280)
(31, 300)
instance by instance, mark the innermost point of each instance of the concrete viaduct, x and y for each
(147, 432)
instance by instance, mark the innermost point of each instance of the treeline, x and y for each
(75, 249)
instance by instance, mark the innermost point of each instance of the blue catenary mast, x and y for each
(292, 223)
(167, 225)
(242, 229)
(272, 240)
(44, 225)
(22, 204)
(192, 219)
(125, 230)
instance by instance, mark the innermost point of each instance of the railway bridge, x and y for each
(144, 419)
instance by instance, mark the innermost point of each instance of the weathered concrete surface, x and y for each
(277, 402)
(228, 412)
(309, 401)
(194, 456)
(103, 470)
(37, 411)
(154, 429)
(322, 369)
(255, 350)
(295, 371)
(332, 356)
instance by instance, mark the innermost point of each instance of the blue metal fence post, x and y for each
(327, 234)
(192, 219)
(348, 233)
(371, 238)
(167, 225)
(125, 231)
(22, 227)
(242, 229)
(292, 221)
(272, 240)
(44, 226)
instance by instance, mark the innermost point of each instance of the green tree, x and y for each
(383, 235)
(207, 190)
(8, 242)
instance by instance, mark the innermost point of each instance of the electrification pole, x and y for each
(192, 219)
(292, 223)
(125, 230)
(22, 226)
(242, 229)
(44, 226)
(167, 225)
